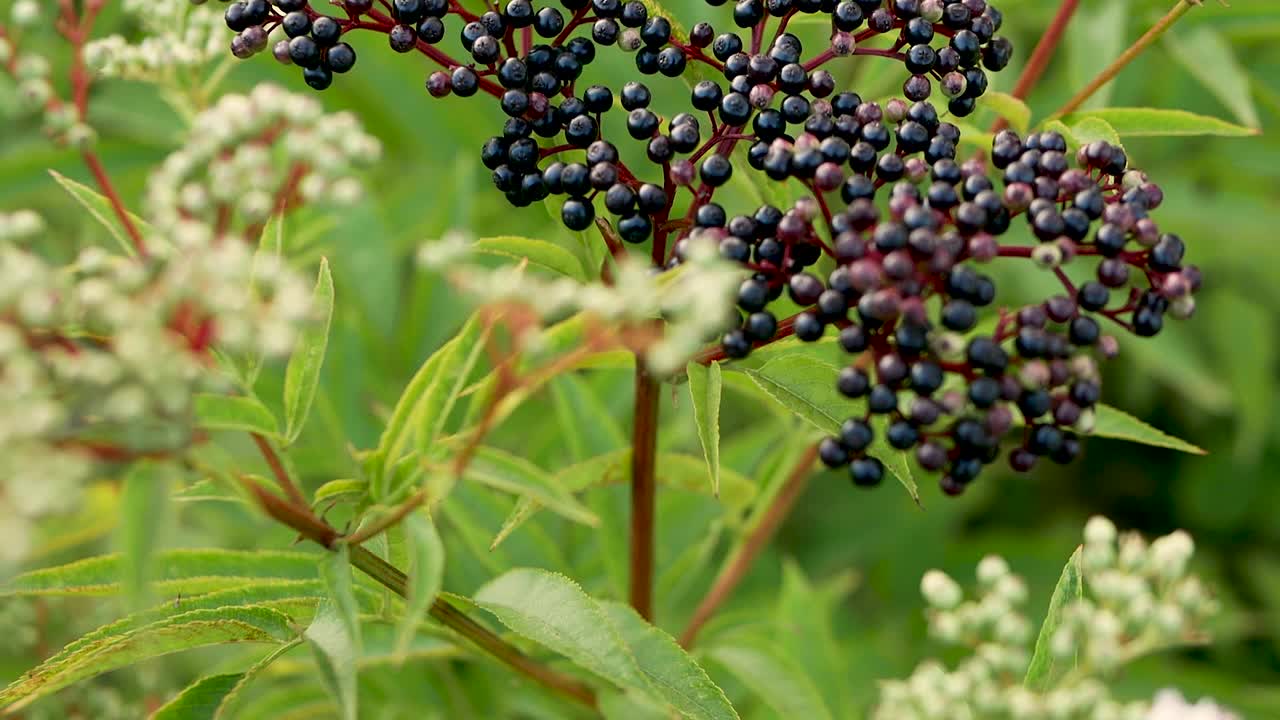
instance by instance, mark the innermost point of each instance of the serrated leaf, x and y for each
(778, 682)
(334, 649)
(426, 574)
(199, 628)
(1210, 59)
(503, 471)
(426, 402)
(302, 376)
(1154, 122)
(143, 506)
(1045, 670)
(335, 489)
(175, 571)
(672, 673)
(1013, 110)
(1113, 423)
(210, 697)
(705, 387)
(235, 412)
(296, 598)
(806, 385)
(539, 253)
(100, 208)
(335, 572)
(551, 610)
(674, 470)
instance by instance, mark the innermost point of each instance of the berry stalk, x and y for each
(736, 567)
(1040, 57)
(1128, 56)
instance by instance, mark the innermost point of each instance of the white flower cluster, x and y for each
(101, 358)
(694, 300)
(1137, 599)
(249, 156)
(32, 74)
(178, 34)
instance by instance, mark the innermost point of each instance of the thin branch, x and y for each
(316, 530)
(736, 567)
(1128, 56)
(1041, 56)
(644, 444)
(278, 469)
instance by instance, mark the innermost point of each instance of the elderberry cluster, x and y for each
(906, 297)
(883, 249)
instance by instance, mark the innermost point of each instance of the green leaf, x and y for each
(539, 253)
(235, 412)
(806, 385)
(143, 506)
(1117, 424)
(199, 628)
(1093, 128)
(426, 402)
(1013, 110)
(1148, 122)
(1096, 35)
(296, 598)
(335, 489)
(210, 697)
(175, 571)
(335, 572)
(775, 679)
(673, 470)
(1210, 59)
(426, 574)
(503, 471)
(1044, 670)
(551, 610)
(705, 386)
(334, 648)
(302, 376)
(673, 675)
(100, 208)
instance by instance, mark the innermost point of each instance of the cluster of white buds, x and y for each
(1137, 598)
(178, 34)
(251, 156)
(32, 75)
(694, 299)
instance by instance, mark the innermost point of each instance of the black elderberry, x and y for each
(304, 52)
(852, 382)
(832, 453)
(856, 435)
(866, 472)
(902, 435)
(401, 38)
(808, 327)
(294, 24)
(735, 344)
(431, 30)
(340, 58)
(882, 399)
(760, 326)
(1167, 254)
(577, 214)
(317, 78)
(985, 355)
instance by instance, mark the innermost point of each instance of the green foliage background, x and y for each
(850, 557)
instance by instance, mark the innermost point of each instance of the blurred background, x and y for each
(1211, 380)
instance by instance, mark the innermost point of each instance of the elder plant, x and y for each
(855, 294)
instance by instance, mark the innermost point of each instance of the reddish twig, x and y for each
(736, 567)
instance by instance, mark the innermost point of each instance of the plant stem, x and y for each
(644, 445)
(1128, 56)
(1041, 56)
(736, 567)
(446, 614)
(278, 469)
(318, 531)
